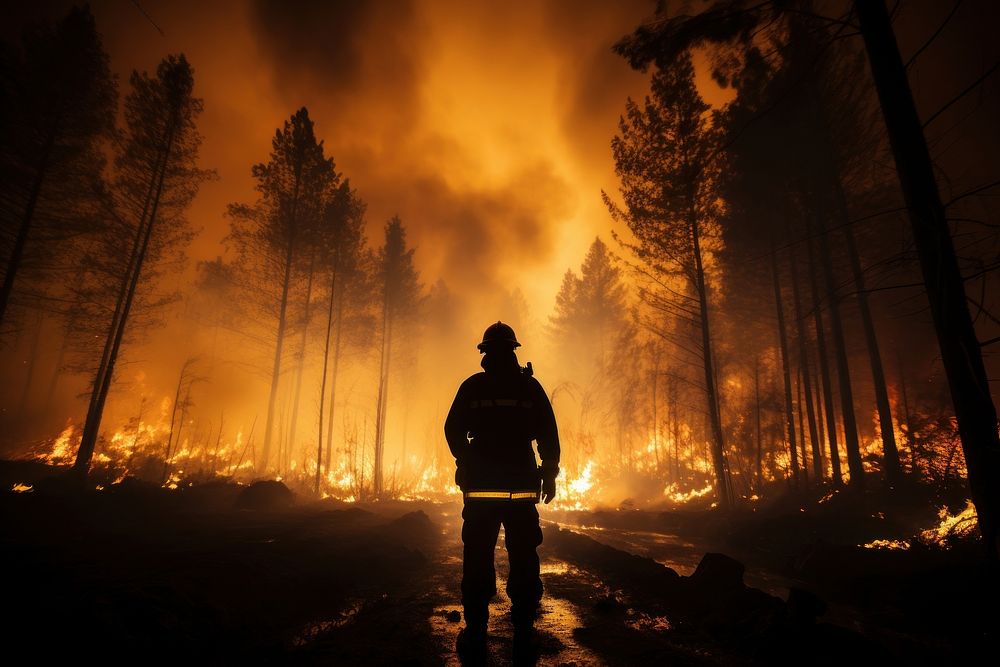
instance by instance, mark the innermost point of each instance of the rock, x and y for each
(608, 604)
(718, 573)
(415, 529)
(804, 607)
(416, 521)
(265, 495)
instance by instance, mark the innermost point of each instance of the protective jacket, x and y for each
(490, 427)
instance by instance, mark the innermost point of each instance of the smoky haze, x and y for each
(474, 123)
(486, 128)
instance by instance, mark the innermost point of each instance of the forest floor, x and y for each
(140, 574)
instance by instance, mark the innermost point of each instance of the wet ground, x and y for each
(567, 587)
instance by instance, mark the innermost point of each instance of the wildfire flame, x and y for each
(679, 497)
(958, 525)
(949, 527)
(891, 545)
(63, 450)
(573, 495)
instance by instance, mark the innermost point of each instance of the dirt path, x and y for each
(558, 619)
(581, 622)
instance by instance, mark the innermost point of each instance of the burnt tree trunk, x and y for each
(173, 420)
(322, 385)
(802, 428)
(759, 468)
(280, 338)
(851, 444)
(911, 440)
(824, 369)
(785, 372)
(718, 442)
(301, 361)
(890, 453)
(333, 381)
(383, 399)
(105, 374)
(801, 331)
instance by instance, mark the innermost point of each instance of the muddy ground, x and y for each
(139, 574)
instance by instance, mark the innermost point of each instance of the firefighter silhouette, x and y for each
(490, 427)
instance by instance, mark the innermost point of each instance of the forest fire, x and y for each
(951, 526)
(679, 497)
(949, 529)
(305, 304)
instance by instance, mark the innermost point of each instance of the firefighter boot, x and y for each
(471, 644)
(525, 649)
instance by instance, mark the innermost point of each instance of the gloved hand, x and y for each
(548, 489)
(549, 475)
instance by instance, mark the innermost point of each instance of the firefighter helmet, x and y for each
(499, 334)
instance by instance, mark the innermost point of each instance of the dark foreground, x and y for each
(137, 574)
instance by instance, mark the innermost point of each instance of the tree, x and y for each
(667, 159)
(960, 349)
(400, 289)
(662, 39)
(156, 179)
(785, 368)
(182, 401)
(593, 334)
(270, 234)
(58, 116)
(343, 244)
(591, 309)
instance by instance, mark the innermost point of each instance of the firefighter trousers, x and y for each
(481, 527)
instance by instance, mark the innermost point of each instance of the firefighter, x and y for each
(492, 422)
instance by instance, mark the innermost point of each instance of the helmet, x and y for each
(499, 334)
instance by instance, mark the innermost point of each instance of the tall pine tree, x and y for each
(272, 235)
(157, 177)
(666, 156)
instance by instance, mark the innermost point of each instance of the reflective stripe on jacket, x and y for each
(490, 428)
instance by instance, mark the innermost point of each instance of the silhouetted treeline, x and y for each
(86, 239)
(790, 178)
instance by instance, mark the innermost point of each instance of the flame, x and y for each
(962, 524)
(949, 527)
(174, 480)
(891, 545)
(21, 487)
(584, 482)
(676, 496)
(63, 449)
(671, 461)
(573, 494)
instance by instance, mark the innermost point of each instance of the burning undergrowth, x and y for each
(158, 454)
(665, 475)
(951, 529)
